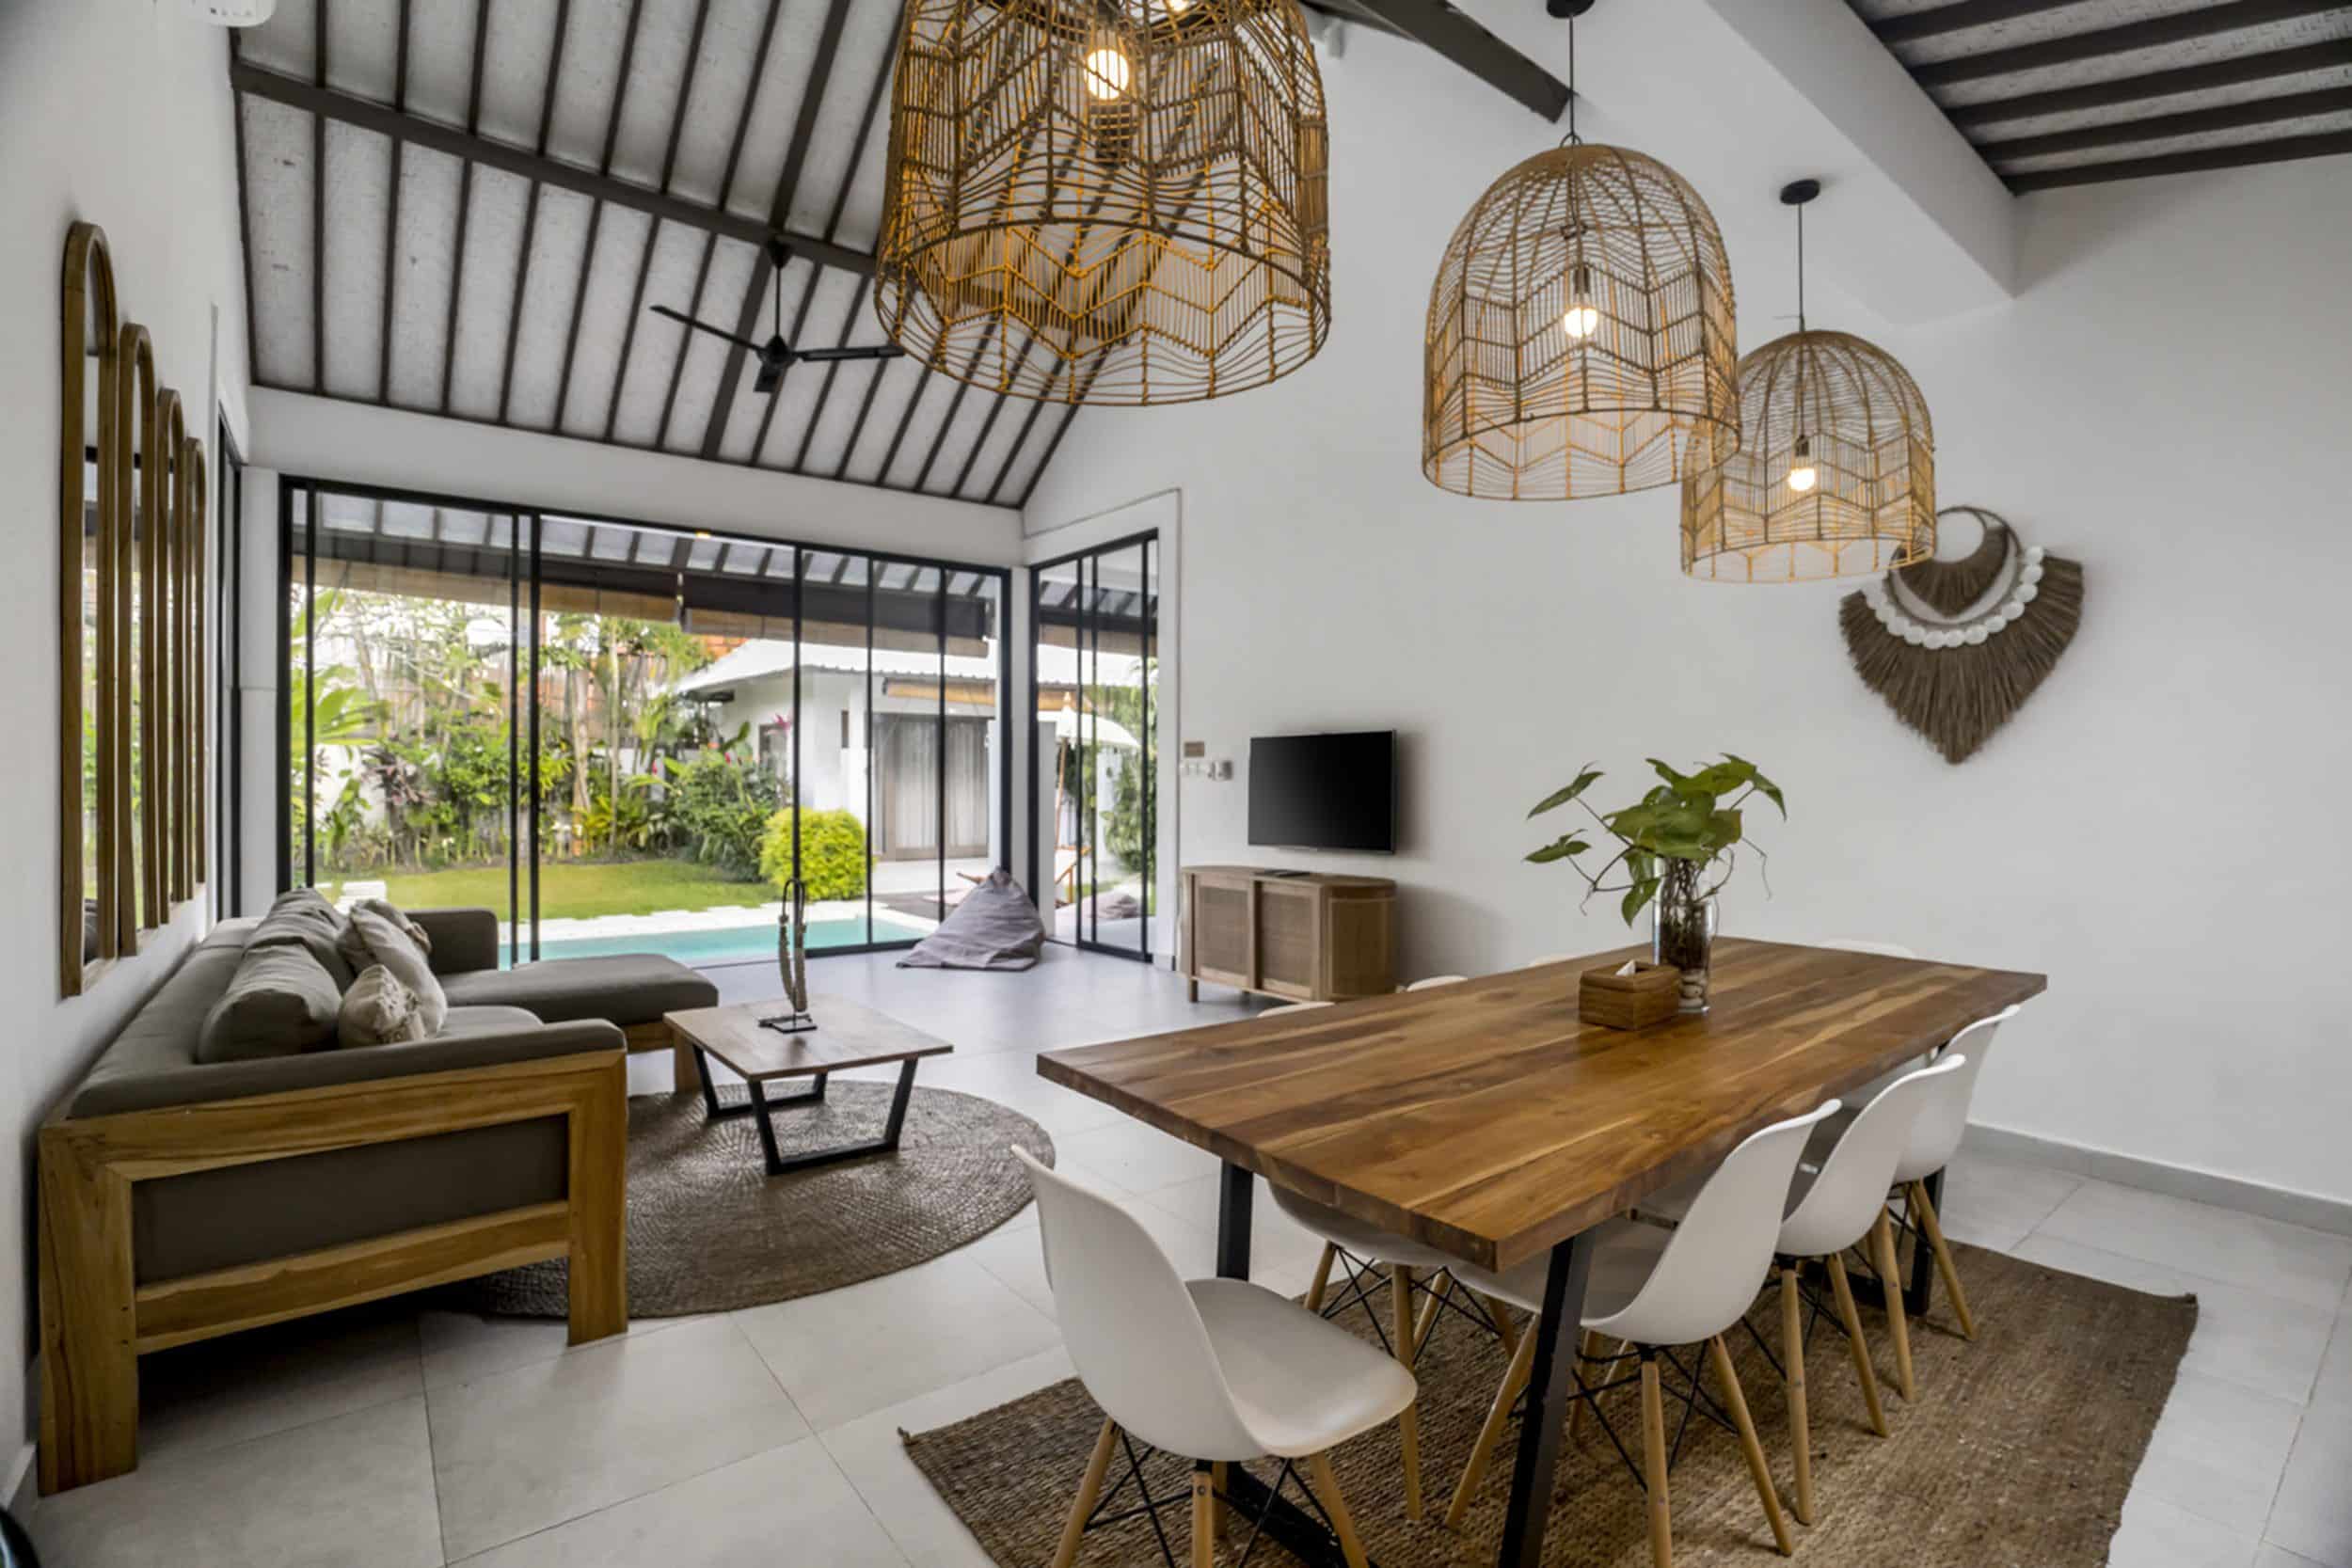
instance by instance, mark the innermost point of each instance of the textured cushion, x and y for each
(390, 946)
(625, 989)
(279, 1002)
(379, 1010)
(354, 946)
(303, 918)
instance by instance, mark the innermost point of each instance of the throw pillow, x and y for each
(279, 1002)
(379, 1010)
(354, 946)
(301, 917)
(390, 946)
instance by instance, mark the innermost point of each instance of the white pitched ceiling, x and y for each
(467, 207)
(2061, 92)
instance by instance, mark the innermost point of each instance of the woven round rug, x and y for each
(709, 1231)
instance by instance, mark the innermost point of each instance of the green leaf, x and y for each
(1637, 897)
(1562, 797)
(1678, 779)
(1724, 829)
(1764, 786)
(1559, 849)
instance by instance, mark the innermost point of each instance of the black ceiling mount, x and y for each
(777, 355)
(1568, 10)
(1798, 192)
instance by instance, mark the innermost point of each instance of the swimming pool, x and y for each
(731, 943)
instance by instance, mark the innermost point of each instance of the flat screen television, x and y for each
(1324, 791)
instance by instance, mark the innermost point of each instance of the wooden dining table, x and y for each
(1488, 1120)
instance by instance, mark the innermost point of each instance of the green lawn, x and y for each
(577, 889)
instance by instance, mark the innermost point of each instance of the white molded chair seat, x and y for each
(1436, 980)
(1625, 1254)
(1299, 1384)
(1367, 1240)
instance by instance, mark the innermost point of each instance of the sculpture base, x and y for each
(790, 1024)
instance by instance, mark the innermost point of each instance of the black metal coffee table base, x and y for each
(761, 1109)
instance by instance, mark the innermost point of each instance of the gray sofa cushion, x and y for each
(627, 989)
(279, 1002)
(302, 918)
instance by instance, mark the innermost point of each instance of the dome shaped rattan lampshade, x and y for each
(1109, 201)
(1847, 410)
(1525, 400)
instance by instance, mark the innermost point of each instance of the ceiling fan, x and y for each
(775, 354)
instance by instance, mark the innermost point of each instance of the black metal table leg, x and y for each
(759, 1106)
(1299, 1532)
(1558, 1332)
(1919, 1291)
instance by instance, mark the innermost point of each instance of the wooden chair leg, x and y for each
(1505, 1330)
(1589, 1349)
(1852, 1319)
(1327, 1487)
(1323, 1278)
(1439, 1288)
(1662, 1547)
(1203, 1521)
(1408, 1422)
(1736, 1401)
(1924, 1208)
(1498, 1416)
(1224, 1515)
(1897, 1320)
(1089, 1489)
(1792, 1363)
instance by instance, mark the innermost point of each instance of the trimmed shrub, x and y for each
(833, 852)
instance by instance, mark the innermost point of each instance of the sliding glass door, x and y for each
(1095, 765)
(628, 737)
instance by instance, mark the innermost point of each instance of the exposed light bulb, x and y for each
(1108, 73)
(1178, 8)
(1582, 317)
(1803, 475)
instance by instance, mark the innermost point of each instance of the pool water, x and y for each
(731, 943)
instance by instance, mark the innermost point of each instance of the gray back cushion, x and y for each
(279, 1002)
(301, 917)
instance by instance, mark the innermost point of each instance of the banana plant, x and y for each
(1678, 828)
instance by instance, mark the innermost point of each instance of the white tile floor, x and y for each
(398, 1436)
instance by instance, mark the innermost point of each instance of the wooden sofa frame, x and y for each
(96, 1322)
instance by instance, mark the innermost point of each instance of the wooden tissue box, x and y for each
(1635, 1001)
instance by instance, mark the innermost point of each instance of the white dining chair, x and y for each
(1655, 1289)
(1551, 958)
(1362, 1247)
(1219, 1372)
(1837, 1205)
(1865, 944)
(1436, 980)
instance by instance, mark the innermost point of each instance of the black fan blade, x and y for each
(883, 351)
(685, 320)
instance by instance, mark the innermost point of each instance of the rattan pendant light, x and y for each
(1837, 475)
(1581, 339)
(1109, 201)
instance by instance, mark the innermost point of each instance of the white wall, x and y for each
(117, 112)
(2159, 831)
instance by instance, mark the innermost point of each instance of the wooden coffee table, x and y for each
(845, 1036)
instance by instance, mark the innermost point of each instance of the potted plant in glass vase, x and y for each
(1678, 846)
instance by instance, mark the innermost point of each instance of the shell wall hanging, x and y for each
(1957, 646)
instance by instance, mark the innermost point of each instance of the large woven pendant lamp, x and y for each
(1581, 339)
(1110, 201)
(1837, 475)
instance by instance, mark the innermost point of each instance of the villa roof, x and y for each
(766, 658)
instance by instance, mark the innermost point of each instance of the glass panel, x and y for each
(411, 664)
(301, 755)
(92, 874)
(1054, 808)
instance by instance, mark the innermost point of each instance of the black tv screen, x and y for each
(1324, 791)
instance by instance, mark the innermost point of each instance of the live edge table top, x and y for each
(1488, 1120)
(847, 1035)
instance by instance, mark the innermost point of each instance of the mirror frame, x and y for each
(89, 284)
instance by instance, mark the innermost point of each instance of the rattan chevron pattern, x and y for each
(1110, 201)
(1581, 339)
(1844, 409)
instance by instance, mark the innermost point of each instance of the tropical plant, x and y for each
(721, 806)
(833, 852)
(1670, 837)
(623, 822)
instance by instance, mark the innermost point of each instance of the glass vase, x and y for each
(1682, 931)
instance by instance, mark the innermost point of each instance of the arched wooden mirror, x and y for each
(135, 486)
(89, 642)
(195, 747)
(158, 781)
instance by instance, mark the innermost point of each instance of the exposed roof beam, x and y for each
(1958, 17)
(2283, 150)
(2156, 84)
(2150, 33)
(596, 213)
(2229, 116)
(465, 202)
(369, 116)
(1439, 26)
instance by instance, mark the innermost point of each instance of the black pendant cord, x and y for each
(1574, 140)
(1801, 266)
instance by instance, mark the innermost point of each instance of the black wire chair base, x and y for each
(1367, 1283)
(1147, 1506)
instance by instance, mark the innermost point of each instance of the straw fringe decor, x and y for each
(1957, 681)
(2019, 1450)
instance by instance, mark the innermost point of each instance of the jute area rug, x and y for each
(709, 1231)
(2018, 1451)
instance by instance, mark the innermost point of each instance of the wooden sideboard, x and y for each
(1304, 938)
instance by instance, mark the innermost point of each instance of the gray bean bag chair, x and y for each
(995, 926)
